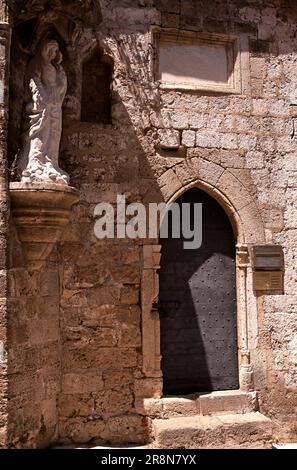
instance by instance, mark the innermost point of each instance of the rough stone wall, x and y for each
(4, 210)
(94, 370)
(34, 352)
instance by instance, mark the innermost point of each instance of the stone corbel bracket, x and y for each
(40, 211)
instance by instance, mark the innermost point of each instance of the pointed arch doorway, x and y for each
(197, 306)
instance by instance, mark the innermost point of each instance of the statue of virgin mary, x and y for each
(46, 86)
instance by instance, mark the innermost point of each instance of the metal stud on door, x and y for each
(197, 305)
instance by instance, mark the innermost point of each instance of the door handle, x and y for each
(167, 308)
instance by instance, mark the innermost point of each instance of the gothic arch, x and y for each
(242, 210)
(223, 186)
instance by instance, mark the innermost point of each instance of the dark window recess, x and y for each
(96, 96)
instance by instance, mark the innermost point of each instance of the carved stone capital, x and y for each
(242, 254)
(151, 256)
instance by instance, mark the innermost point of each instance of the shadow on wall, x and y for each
(75, 326)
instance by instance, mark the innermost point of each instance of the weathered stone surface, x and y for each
(215, 403)
(169, 139)
(82, 383)
(188, 138)
(249, 430)
(126, 429)
(82, 431)
(71, 347)
(228, 402)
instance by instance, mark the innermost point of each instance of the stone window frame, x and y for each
(106, 57)
(247, 225)
(234, 53)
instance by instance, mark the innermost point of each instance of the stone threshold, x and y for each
(228, 431)
(290, 445)
(94, 447)
(221, 402)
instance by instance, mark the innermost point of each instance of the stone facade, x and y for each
(79, 337)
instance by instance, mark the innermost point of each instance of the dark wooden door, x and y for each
(197, 306)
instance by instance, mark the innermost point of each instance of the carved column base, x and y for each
(246, 375)
(40, 213)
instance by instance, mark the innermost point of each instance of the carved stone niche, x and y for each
(40, 213)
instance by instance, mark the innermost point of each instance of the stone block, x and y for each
(198, 120)
(209, 172)
(247, 142)
(103, 359)
(49, 284)
(229, 431)
(120, 378)
(188, 138)
(253, 228)
(169, 184)
(179, 120)
(216, 139)
(3, 437)
(184, 172)
(254, 159)
(82, 383)
(108, 295)
(127, 429)
(207, 139)
(258, 67)
(191, 23)
(257, 88)
(81, 430)
(113, 402)
(170, 20)
(44, 330)
(169, 138)
(170, 6)
(236, 191)
(137, 16)
(72, 406)
(147, 388)
(129, 336)
(129, 295)
(228, 402)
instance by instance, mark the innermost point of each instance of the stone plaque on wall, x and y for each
(268, 267)
(197, 61)
(268, 280)
(267, 257)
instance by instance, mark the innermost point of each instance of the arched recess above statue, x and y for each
(67, 21)
(86, 11)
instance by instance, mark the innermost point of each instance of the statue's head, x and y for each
(50, 51)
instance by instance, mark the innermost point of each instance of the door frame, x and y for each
(248, 229)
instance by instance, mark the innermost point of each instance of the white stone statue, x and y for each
(46, 84)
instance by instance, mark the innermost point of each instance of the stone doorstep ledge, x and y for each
(233, 431)
(291, 445)
(223, 402)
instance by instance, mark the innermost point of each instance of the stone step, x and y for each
(231, 401)
(241, 431)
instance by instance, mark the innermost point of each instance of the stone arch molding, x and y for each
(225, 187)
(241, 207)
